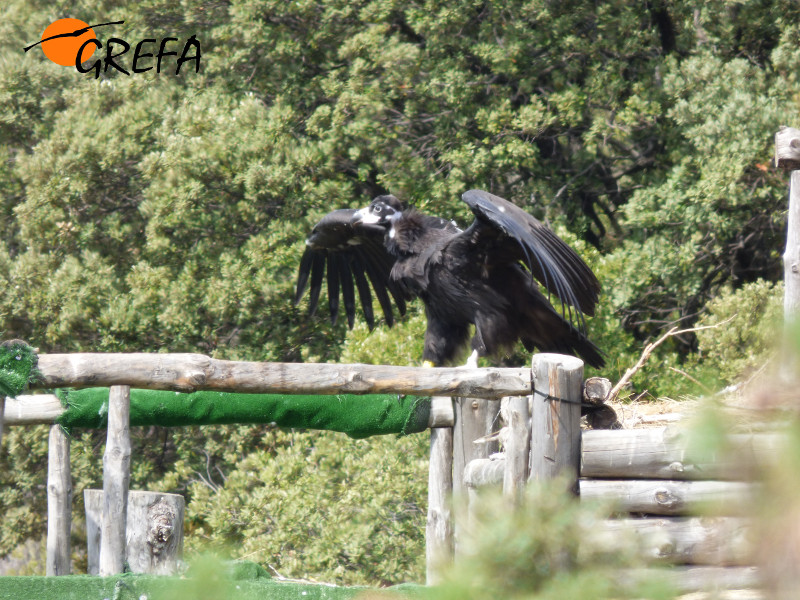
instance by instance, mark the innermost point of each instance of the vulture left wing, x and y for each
(515, 235)
(346, 254)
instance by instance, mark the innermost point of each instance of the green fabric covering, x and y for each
(17, 367)
(357, 416)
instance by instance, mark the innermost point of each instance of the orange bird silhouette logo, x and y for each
(62, 40)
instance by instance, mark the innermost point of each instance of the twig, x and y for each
(649, 350)
(690, 378)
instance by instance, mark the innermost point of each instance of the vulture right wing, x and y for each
(348, 254)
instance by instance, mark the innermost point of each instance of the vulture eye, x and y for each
(377, 208)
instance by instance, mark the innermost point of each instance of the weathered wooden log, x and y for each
(596, 390)
(480, 473)
(602, 417)
(663, 453)
(518, 447)
(189, 372)
(670, 497)
(442, 412)
(439, 534)
(116, 478)
(556, 417)
(473, 420)
(599, 415)
(720, 541)
(484, 472)
(787, 148)
(655, 497)
(46, 408)
(685, 580)
(154, 531)
(59, 504)
(32, 409)
(787, 156)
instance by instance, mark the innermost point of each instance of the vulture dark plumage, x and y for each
(482, 276)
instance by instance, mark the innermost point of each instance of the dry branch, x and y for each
(648, 350)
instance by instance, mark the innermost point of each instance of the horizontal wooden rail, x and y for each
(656, 497)
(719, 541)
(32, 410)
(190, 372)
(671, 497)
(685, 580)
(664, 453)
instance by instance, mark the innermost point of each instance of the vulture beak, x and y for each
(365, 217)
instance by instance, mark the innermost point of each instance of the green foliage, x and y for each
(748, 333)
(551, 548)
(318, 505)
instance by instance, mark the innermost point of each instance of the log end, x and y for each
(787, 148)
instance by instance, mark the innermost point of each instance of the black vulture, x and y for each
(482, 276)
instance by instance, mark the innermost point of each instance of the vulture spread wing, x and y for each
(511, 234)
(345, 255)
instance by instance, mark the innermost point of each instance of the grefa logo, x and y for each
(72, 42)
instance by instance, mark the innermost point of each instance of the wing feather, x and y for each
(346, 279)
(317, 272)
(363, 290)
(350, 257)
(517, 236)
(333, 285)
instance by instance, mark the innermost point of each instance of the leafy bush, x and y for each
(749, 330)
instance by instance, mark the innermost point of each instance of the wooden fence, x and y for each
(191, 372)
(645, 471)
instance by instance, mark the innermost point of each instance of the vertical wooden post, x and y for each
(556, 417)
(154, 531)
(518, 447)
(116, 477)
(787, 156)
(473, 420)
(59, 503)
(439, 539)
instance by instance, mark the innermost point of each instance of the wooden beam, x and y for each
(656, 497)
(442, 412)
(556, 417)
(484, 471)
(670, 497)
(59, 504)
(473, 420)
(707, 580)
(664, 453)
(439, 534)
(787, 157)
(719, 541)
(33, 409)
(189, 372)
(787, 148)
(518, 447)
(116, 478)
(477, 474)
